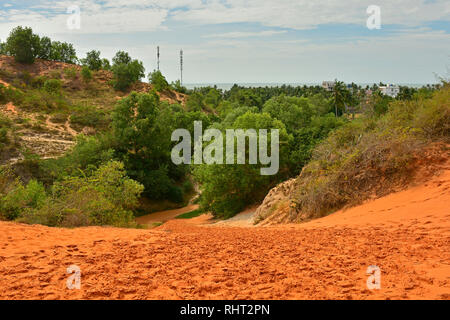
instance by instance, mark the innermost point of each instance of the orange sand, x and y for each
(406, 234)
(11, 108)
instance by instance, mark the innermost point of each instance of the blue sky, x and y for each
(255, 41)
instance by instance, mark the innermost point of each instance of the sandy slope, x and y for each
(406, 234)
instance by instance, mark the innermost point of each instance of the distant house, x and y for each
(328, 85)
(390, 90)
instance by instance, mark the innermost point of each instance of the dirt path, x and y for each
(407, 235)
(164, 216)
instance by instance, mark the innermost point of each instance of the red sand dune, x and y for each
(406, 234)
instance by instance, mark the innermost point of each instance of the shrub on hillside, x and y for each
(88, 155)
(45, 48)
(104, 198)
(158, 81)
(126, 71)
(86, 74)
(106, 65)
(53, 86)
(63, 52)
(16, 198)
(71, 73)
(92, 60)
(89, 117)
(371, 156)
(38, 82)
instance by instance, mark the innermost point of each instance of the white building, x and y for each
(328, 85)
(390, 90)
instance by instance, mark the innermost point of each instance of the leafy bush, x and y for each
(88, 154)
(38, 82)
(53, 86)
(104, 198)
(158, 81)
(71, 73)
(19, 198)
(86, 74)
(89, 117)
(176, 86)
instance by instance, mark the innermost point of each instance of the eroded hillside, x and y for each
(46, 123)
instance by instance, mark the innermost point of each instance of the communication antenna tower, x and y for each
(181, 65)
(157, 55)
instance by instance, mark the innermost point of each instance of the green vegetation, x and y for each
(190, 215)
(349, 139)
(158, 81)
(92, 60)
(23, 45)
(105, 197)
(126, 71)
(86, 74)
(53, 86)
(371, 155)
(8, 139)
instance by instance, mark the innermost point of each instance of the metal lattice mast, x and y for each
(157, 55)
(181, 66)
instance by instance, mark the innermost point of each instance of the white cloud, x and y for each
(238, 34)
(230, 54)
(50, 18)
(306, 14)
(127, 16)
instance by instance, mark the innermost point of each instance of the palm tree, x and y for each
(340, 96)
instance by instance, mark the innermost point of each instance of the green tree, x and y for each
(213, 98)
(105, 64)
(227, 189)
(126, 71)
(340, 97)
(45, 50)
(121, 57)
(63, 52)
(92, 60)
(195, 102)
(143, 142)
(178, 87)
(158, 81)
(294, 112)
(3, 49)
(23, 44)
